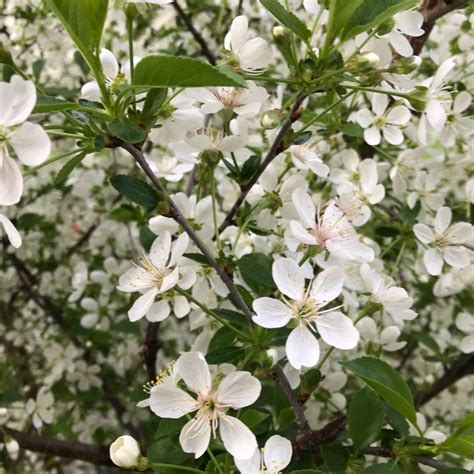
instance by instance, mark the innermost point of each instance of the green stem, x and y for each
(208, 311)
(328, 40)
(214, 211)
(215, 461)
(52, 160)
(174, 466)
(324, 112)
(405, 95)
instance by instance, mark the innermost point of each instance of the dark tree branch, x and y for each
(311, 441)
(433, 10)
(150, 349)
(461, 367)
(93, 454)
(388, 453)
(180, 219)
(275, 149)
(195, 33)
(301, 421)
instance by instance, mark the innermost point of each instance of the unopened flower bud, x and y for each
(278, 31)
(125, 452)
(273, 355)
(271, 119)
(385, 27)
(371, 58)
(12, 447)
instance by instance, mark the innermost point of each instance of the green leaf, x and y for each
(224, 337)
(197, 257)
(384, 468)
(371, 13)
(176, 71)
(84, 21)
(306, 471)
(335, 456)
(461, 442)
(146, 237)
(365, 429)
(387, 382)
(123, 213)
(311, 379)
(288, 19)
(397, 421)
(66, 170)
(136, 190)
(253, 418)
(153, 101)
(235, 318)
(256, 271)
(47, 104)
(169, 426)
(225, 354)
(352, 130)
(127, 131)
(343, 11)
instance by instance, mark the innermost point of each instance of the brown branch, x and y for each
(179, 217)
(93, 454)
(388, 453)
(150, 349)
(433, 10)
(301, 421)
(461, 367)
(195, 33)
(275, 149)
(311, 441)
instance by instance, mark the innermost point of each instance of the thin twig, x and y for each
(195, 33)
(180, 219)
(275, 149)
(301, 421)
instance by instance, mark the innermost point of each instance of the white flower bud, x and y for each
(12, 447)
(372, 59)
(125, 452)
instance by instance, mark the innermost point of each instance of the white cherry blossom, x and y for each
(154, 275)
(445, 242)
(304, 308)
(253, 54)
(236, 390)
(28, 140)
(331, 231)
(381, 121)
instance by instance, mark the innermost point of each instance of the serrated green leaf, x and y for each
(127, 131)
(223, 338)
(287, 18)
(225, 354)
(335, 456)
(175, 71)
(136, 190)
(66, 170)
(371, 13)
(383, 468)
(365, 429)
(387, 382)
(256, 271)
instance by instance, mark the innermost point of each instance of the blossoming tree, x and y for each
(236, 224)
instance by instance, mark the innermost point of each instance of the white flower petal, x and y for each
(193, 369)
(168, 401)
(142, 305)
(328, 285)
(195, 436)
(337, 330)
(305, 208)
(433, 262)
(238, 389)
(31, 144)
(159, 311)
(11, 180)
(288, 277)
(17, 99)
(302, 348)
(109, 63)
(237, 438)
(249, 466)
(271, 313)
(277, 453)
(423, 233)
(13, 235)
